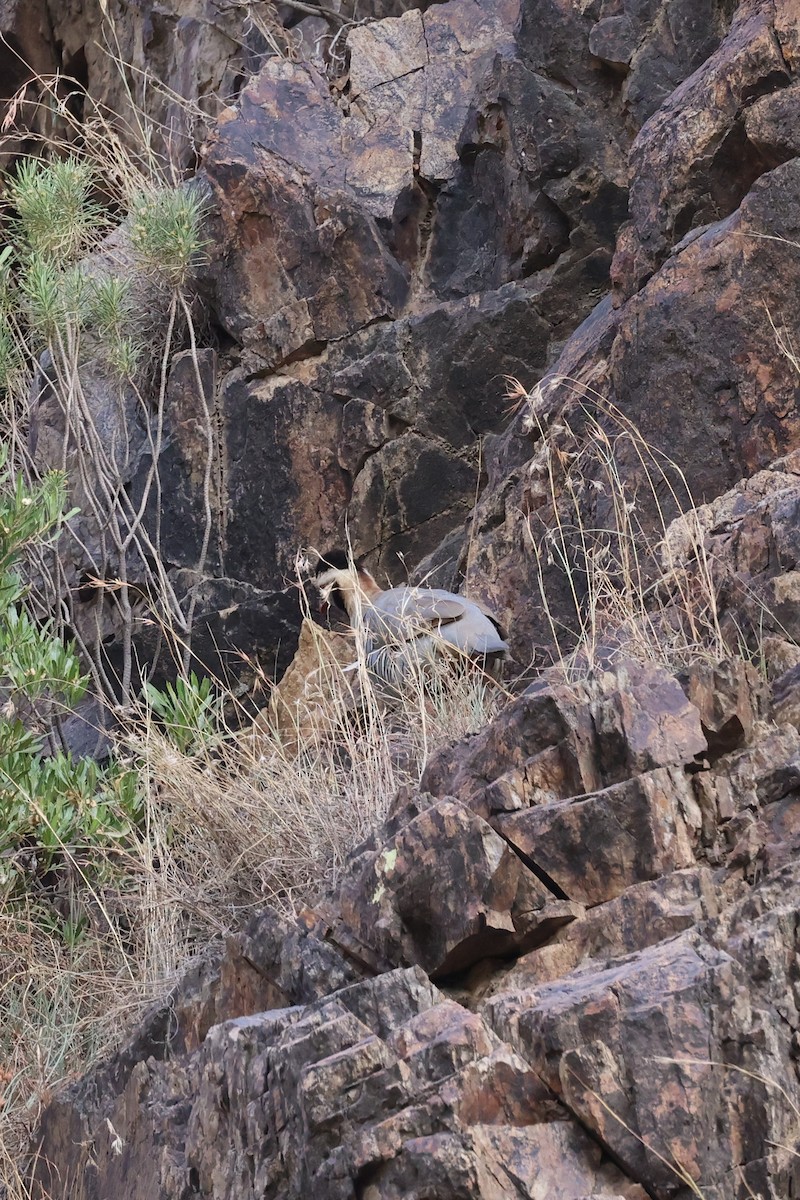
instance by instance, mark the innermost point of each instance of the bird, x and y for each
(406, 627)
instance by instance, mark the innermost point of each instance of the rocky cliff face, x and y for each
(567, 965)
(395, 229)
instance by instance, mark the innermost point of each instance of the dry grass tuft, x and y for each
(604, 502)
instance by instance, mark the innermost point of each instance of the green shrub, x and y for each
(53, 808)
(56, 217)
(190, 711)
(165, 230)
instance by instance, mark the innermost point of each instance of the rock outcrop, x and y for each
(394, 231)
(614, 1012)
(694, 353)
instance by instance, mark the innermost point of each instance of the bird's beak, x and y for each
(324, 601)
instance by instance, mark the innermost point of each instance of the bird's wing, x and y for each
(404, 613)
(435, 610)
(487, 612)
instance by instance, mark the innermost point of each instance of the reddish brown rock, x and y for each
(384, 1086)
(27, 47)
(725, 415)
(751, 536)
(614, 40)
(327, 214)
(729, 698)
(771, 124)
(541, 743)
(198, 50)
(446, 891)
(594, 848)
(393, 242)
(644, 720)
(648, 1052)
(691, 162)
(643, 915)
(700, 293)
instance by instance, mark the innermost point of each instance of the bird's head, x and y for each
(343, 580)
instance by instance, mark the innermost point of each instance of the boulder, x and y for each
(312, 692)
(692, 161)
(385, 1082)
(725, 414)
(444, 890)
(656, 1055)
(595, 847)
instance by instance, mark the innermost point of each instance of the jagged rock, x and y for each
(750, 534)
(303, 700)
(595, 848)
(411, 414)
(643, 915)
(343, 193)
(700, 293)
(189, 461)
(771, 124)
(236, 626)
(26, 47)
(614, 40)
(656, 46)
(560, 740)
(786, 697)
(416, 227)
(283, 487)
(729, 697)
(198, 50)
(668, 1005)
(692, 162)
(644, 720)
(542, 742)
(611, 865)
(729, 413)
(732, 795)
(384, 1086)
(299, 249)
(649, 1054)
(445, 891)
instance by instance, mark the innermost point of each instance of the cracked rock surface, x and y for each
(517, 991)
(390, 237)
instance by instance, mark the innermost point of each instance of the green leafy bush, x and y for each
(53, 808)
(191, 712)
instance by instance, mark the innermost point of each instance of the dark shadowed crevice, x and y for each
(534, 868)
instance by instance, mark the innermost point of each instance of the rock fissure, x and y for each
(535, 869)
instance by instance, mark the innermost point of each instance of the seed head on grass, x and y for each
(165, 231)
(611, 542)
